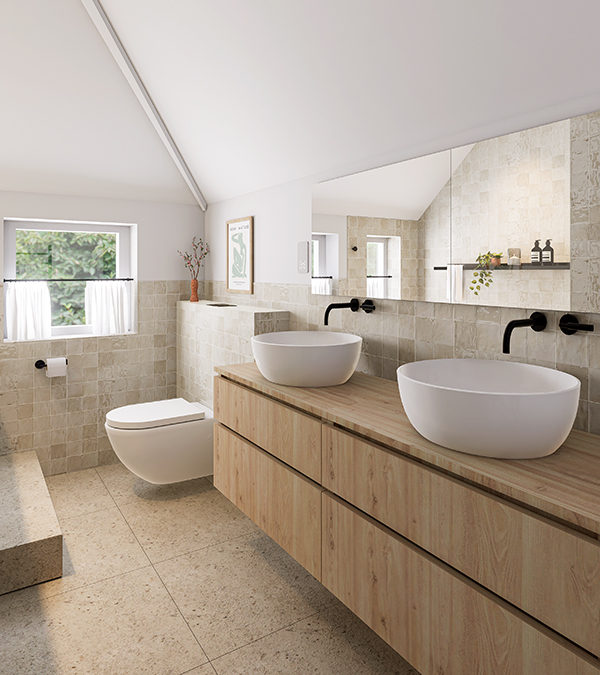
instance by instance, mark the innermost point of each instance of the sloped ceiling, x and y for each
(261, 92)
(69, 122)
(403, 190)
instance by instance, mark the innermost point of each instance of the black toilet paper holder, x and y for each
(40, 363)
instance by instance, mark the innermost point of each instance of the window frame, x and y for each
(319, 241)
(382, 261)
(124, 260)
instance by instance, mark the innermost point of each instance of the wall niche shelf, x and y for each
(524, 266)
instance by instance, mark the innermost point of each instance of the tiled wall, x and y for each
(434, 247)
(358, 230)
(63, 418)
(208, 336)
(508, 192)
(585, 212)
(400, 331)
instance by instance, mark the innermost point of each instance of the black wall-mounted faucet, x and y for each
(537, 322)
(569, 324)
(354, 305)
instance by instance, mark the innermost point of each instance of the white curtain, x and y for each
(108, 307)
(376, 288)
(28, 312)
(454, 283)
(322, 286)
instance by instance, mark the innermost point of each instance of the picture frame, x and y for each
(240, 255)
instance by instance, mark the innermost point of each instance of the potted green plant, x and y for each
(194, 261)
(485, 264)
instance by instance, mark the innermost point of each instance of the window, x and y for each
(318, 253)
(377, 267)
(67, 256)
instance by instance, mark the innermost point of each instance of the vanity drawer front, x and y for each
(434, 617)
(286, 505)
(291, 436)
(549, 571)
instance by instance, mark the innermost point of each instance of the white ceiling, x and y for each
(261, 92)
(402, 191)
(69, 123)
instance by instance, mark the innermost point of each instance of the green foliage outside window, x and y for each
(66, 255)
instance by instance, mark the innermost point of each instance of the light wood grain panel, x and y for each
(280, 501)
(437, 620)
(543, 568)
(565, 484)
(291, 436)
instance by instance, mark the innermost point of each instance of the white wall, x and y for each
(162, 228)
(282, 218)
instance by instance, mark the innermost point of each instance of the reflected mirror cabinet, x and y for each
(416, 230)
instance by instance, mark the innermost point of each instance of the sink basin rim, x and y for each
(307, 358)
(314, 338)
(571, 382)
(479, 421)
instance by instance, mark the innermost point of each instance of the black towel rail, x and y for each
(61, 280)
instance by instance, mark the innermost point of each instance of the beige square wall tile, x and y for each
(237, 592)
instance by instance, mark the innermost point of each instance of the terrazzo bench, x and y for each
(30, 535)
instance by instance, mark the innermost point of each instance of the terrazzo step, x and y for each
(30, 535)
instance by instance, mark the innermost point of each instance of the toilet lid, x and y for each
(155, 414)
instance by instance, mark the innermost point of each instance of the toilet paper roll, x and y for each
(56, 367)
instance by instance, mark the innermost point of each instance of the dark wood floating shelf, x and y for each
(524, 266)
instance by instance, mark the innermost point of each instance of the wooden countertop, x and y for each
(565, 485)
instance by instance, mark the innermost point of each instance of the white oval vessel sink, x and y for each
(307, 358)
(490, 408)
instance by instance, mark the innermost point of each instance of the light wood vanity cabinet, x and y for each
(458, 579)
(287, 434)
(431, 615)
(285, 504)
(547, 570)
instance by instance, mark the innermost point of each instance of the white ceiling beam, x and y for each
(110, 37)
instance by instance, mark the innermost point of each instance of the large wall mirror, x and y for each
(416, 230)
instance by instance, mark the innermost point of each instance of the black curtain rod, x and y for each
(322, 277)
(120, 279)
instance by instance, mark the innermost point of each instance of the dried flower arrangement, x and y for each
(194, 260)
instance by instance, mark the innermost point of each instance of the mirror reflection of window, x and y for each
(377, 266)
(321, 280)
(317, 267)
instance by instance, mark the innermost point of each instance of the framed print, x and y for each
(240, 255)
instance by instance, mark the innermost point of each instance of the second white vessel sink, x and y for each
(307, 358)
(490, 408)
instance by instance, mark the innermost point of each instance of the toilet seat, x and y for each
(156, 414)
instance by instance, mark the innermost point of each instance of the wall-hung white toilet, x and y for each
(163, 441)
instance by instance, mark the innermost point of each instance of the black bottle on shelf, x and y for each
(536, 253)
(547, 253)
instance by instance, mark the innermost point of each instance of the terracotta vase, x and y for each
(194, 287)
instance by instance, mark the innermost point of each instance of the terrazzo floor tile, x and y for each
(236, 592)
(76, 493)
(96, 546)
(206, 669)
(125, 486)
(334, 642)
(169, 528)
(124, 625)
